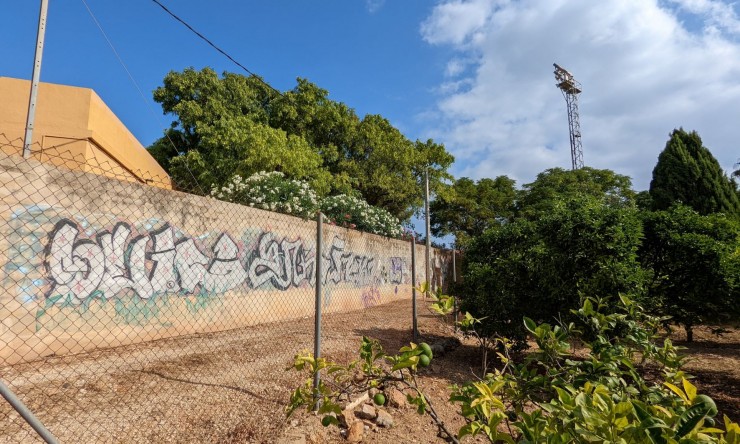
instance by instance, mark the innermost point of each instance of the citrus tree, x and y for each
(694, 262)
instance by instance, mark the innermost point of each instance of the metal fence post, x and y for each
(319, 288)
(26, 414)
(413, 288)
(454, 280)
(35, 78)
(428, 265)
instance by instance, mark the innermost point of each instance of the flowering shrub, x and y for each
(270, 191)
(353, 212)
(274, 192)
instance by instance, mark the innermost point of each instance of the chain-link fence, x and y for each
(133, 313)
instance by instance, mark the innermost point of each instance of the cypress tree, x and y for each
(687, 173)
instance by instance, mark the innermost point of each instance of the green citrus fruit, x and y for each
(426, 350)
(424, 360)
(379, 398)
(326, 421)
(708, 403)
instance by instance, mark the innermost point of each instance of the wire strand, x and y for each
(204, 38)
(141, 93)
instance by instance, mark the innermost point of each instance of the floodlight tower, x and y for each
(571, 88)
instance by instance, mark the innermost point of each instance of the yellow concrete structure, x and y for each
(76, 129)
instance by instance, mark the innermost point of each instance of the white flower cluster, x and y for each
(270, 191)
(354, 212)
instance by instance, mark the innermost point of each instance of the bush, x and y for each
(542, 268)
(695, 266)
(610, 395)
(353, 212)
(270, 191)
(274, 192)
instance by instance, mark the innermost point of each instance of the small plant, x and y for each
(445, 304)
(374, 370)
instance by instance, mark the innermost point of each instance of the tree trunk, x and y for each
(689, 333)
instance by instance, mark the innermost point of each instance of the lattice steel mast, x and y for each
(571, 88)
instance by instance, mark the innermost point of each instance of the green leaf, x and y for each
(690, 419)
(530, 325)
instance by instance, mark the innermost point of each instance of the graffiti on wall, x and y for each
(345, 266)
(159, 261)
(371, 297)
(398, 267)
(284, 264)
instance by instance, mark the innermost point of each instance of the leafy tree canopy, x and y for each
(235, 124)
(555, 184)
(542, 267)
(695, 265)
(687, 173)
(467, 208)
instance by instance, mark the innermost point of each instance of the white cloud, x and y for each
(644, 71)
(374, 6)
(456, 21)
(717, 14)
(455, 67)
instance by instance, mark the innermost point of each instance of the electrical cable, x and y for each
(204, 38)
(141, 93)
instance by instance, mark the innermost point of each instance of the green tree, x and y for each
(238, 145)
(467, 208)
(695, 265)
(687, 173)
(541, 268)
(237, 125)
(306, 111)
(643, 200)
(555, 184)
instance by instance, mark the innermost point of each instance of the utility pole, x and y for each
(28, 139)
(571, 88)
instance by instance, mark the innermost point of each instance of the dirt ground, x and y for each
(231, 387)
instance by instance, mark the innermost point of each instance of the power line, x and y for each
(141, 93)
(205, 39)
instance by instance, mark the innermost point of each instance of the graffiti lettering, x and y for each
(348, 267)
(397, 269)
(371, 297)
(81, 267)
(158, 262)
(284, 264)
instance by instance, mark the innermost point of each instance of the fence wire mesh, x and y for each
(133, 313)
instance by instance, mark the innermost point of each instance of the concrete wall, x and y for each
(76, 129)
(93, 262)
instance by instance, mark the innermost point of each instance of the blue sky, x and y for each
(369, 55)
(473, 74)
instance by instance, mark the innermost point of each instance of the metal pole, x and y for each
(319, 288)
(454, 280)
(28, 140)
(26, 414)
(426, 222)
(413, 288)
(454, 269)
